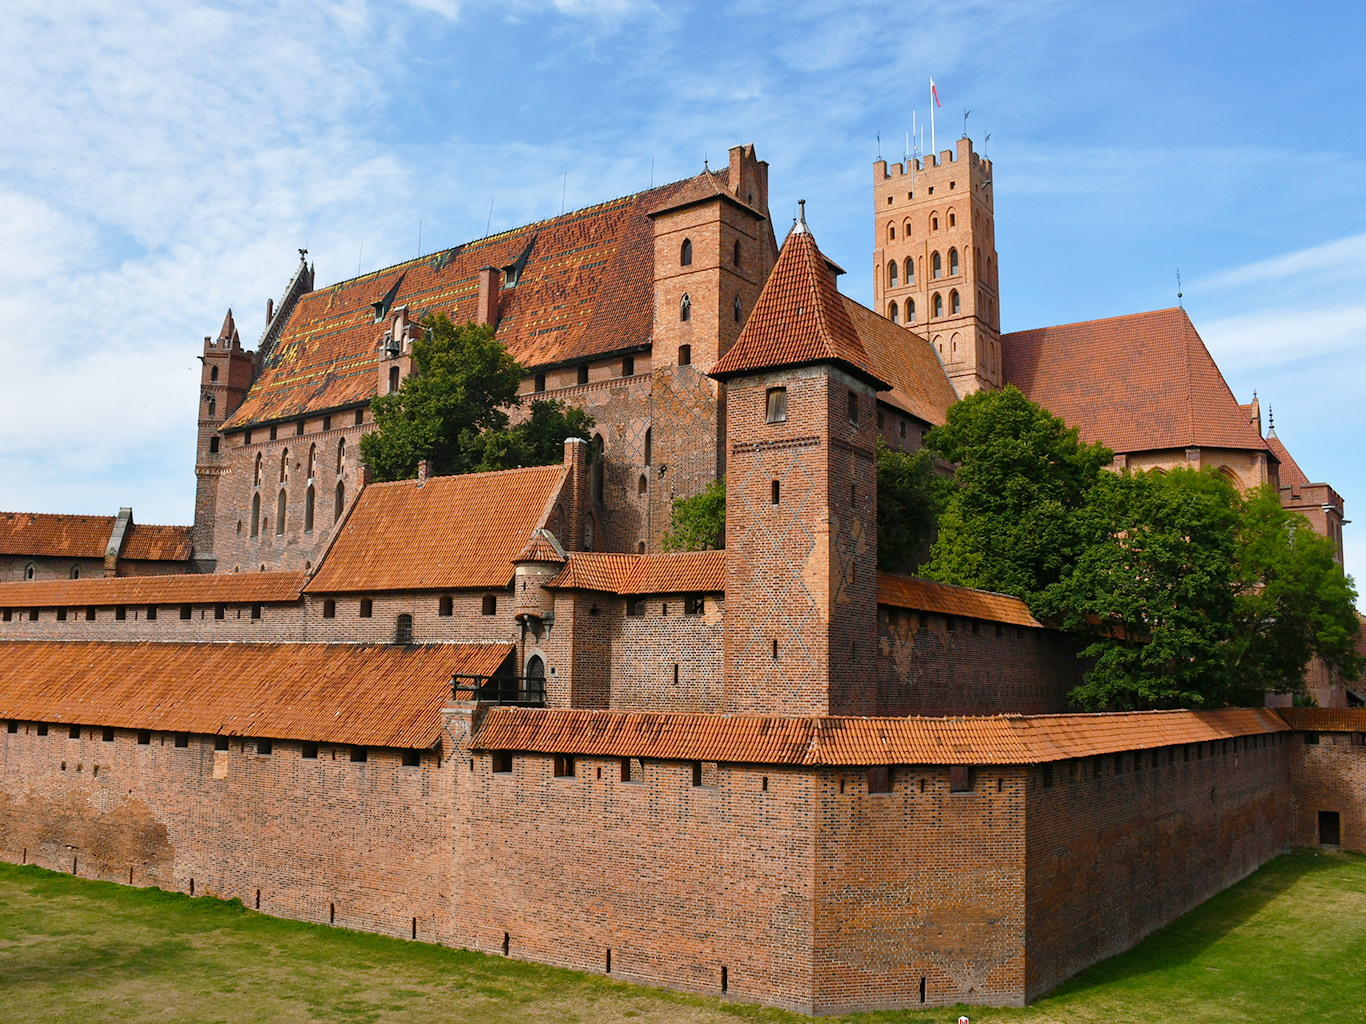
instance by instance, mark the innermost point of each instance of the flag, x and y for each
(935, 93)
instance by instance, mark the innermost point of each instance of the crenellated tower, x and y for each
(224, 379)
(934, 259)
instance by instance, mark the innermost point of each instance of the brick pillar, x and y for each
(487, 310)
(579, 506)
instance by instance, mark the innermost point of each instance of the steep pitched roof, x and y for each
(373, 695)
(1291, 474)
(675, 573)
(800, 317)
(700, 189)
(543, 547)
(586, 289)
(182, 588)
(907, 362)
(927, 596)
(1015, 739)
(1136, 383)
(454, 532)
(58, 536)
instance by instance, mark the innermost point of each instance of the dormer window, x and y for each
(776, 411)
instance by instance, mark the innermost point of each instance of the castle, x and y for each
(489, 711)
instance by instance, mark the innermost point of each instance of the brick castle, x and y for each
(489, 711)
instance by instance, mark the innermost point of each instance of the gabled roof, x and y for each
(907, 362)
(700, 189)
(1136, 383)
(453, 532)
(800, 318)
(543, 547)
(917, 594)
(1015, 739)
(372, 695)
(58, 536)
(182, 588)
(681, 572)
(1291, 474)
(586, 289)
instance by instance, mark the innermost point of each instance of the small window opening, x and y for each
(960, 778)
(649, 445)
(685, 309)
(61, 614)
(626, 769)
(489, 605)
(635, 607)
(774, 652)
(264, 747)
(853, 408)
(73, 732)
(506, 943)
(410, 758)
(151, 613)
(893, 314)
(540, 382)
(776, 410)
(642, 485)
(393, 379)
(220, 743)
(764, 784)
(628, 366)
(685, 253)
(120, 613)
(329, 609)
(697, 773)
(582, 374)
(144, 738)
(684, 355)
(308, 751)
(775, 492)
(694, 604)
(331, 913)
(879, 779)
(213, 445)
(256, 611)
(446, 606)
(502, 761)
(42, 728)
(360, 755)
(273, 429)
(182, 739)
(367, 607)
(403, 629)
(725, 980)
(735, 309)
(564, 766)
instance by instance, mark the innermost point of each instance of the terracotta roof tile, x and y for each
(906, 361)
(699, 189)
(926, 596)
(543, 547)
(363, 694)
(157, 543)
(1136, 383)
(454, 532)
(680, 572)
(800, 317)
(860, 741)
(586, 289)
(1325, 719)
(183, 588)
(1291, 474)
(59, 536)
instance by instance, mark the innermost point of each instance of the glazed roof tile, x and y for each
(907, 362)
(454, 532)
(1291, 474)
(586, 289)
(860, 741)
(616, 573)
(183, 588)
(927, 596)
(1136, 383)
(59, 536)
(374, 695)
(800, 317)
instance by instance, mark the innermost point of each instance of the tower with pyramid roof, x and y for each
(223, 381)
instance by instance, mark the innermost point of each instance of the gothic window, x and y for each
(308, 510)
(257, 480)
(213, 405)
(30, 571)
(685, 309)
(906, 230)
(937, 308)
(649, 445)
(341, 454)
(936, 267)
(284, 465)
(256, 515)
(977, 262)
(891, 274)
(596, 469)
(777, 406)
(213, 373)
(934, 223)
(736, 309)
(891, 232)
(893, 314)
(953, 303)
(953, 262)
(735, 259)
(910, 270)
(953, 219)
(341, 501)
(910, 311)
(75, 572)
(312, 461)
(685, 256)
(684, 355)
(642, 485)
(280, 514)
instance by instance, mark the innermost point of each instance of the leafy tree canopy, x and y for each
(698, 523)
(536, 441)
(911, 495)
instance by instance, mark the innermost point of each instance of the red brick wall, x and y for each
(1328, 776)
(12, 567)
(1115, 856)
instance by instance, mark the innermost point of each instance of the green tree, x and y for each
(1022, 474)
(911, 495)
(536, 441)
(698, 523)
(462, 379)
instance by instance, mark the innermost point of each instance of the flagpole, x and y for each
(932, 146)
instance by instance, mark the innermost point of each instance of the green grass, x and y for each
(1288, 944)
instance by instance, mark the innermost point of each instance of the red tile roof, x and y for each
(926, 596)
(587, 289)
(860, 741)
(1325, 719)
(455, 532)
(800, 317)
(677, 573)
(58, 536)
(1291, 474)
(1136, 383)
(700, 189)
(906, 361)
(543, 547)
(184, 588)
(373, 695)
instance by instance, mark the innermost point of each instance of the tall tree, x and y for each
(536, 441)
(699, 522)
(911, 495)
(462, 379)
(1022, 475)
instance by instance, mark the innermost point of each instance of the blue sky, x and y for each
(163, 161)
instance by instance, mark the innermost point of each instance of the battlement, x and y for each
(962, 155)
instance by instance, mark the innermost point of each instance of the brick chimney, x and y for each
(580, 504)
(424, 470)
(487, 310)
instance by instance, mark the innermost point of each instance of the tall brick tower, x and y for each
(934, 259)
(224, 380)
(801, 498)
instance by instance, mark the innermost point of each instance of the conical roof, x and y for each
(229, 329)
(800, 318)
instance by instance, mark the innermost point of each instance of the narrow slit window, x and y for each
(775, 492)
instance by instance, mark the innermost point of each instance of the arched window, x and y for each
(937, 306)
(535, 676)
(341, 501)
(257, 481)
(596, 469)
(403, 631)
(284, 465)
(256, 515)
(685, 255)
(308, 510)
(685, 309)
(312, 461)
(735, 258)
(953, 262)
(642, 484)
(393, 379)
(30, 571)
(891, 274)
(893, 314)
(977, 262)
(213, 405)
(736, 309)
(936, 267)
(684, 355)
(953, 303)
(649, 445)
(75, 572)
(910, 270)
(341, 454)
(213, 373)
(280, 514)
(910, 311)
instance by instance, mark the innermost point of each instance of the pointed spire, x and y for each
(1270, 420)
(799, 226)
(229, 328)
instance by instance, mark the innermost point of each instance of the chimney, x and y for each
(270, 310)
(424, 470)
(487, 311)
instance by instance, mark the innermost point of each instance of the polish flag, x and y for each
(935, 93)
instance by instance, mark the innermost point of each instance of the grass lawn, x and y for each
(1288, 944)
